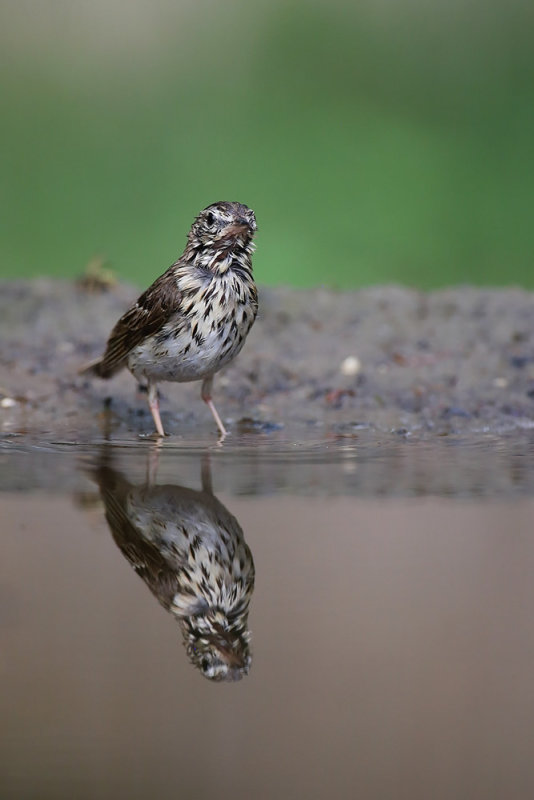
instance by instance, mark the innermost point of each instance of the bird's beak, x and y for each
(242, 225)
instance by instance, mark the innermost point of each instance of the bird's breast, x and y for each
(206, 333)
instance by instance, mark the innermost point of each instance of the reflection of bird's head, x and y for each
(219, 648)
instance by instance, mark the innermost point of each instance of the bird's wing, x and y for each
(146, 317)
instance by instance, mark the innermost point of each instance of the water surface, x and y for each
(391, 648)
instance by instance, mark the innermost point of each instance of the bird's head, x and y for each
(223, 225)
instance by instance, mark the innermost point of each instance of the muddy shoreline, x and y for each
(388, 359)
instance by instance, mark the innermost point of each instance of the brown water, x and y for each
(391, 625)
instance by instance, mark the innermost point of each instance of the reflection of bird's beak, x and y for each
(223, 643)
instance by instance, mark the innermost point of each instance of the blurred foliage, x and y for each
(385, 141)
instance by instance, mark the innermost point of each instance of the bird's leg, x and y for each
(153, 404)
(205, 393)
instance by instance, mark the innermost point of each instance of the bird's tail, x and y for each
(94, 367)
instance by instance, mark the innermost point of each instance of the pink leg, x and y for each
(206, 396)
(153, 404)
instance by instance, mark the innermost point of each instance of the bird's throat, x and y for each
(233, 256)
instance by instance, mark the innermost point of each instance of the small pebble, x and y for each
(519, 362)
(8, 402)
(350, 366)
(500, 383)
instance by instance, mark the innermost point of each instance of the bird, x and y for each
(195, 317)
(191, 553)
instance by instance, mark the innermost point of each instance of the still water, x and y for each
(372, 638)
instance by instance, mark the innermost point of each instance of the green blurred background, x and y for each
(380, 141)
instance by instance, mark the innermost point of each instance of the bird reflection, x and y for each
(191, 553)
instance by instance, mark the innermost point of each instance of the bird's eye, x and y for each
(210, 219)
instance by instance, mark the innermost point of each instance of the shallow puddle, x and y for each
(387, 589)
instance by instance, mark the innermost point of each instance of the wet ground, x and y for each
(366, 528)
(389, 605)
(317, 362)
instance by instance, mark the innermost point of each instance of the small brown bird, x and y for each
(191, 553)
(195, 317)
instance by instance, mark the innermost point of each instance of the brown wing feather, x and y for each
(145, 558)
(151, 311)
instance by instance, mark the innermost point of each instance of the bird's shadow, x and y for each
(191, 553)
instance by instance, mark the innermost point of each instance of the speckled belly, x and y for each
(190, 350)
